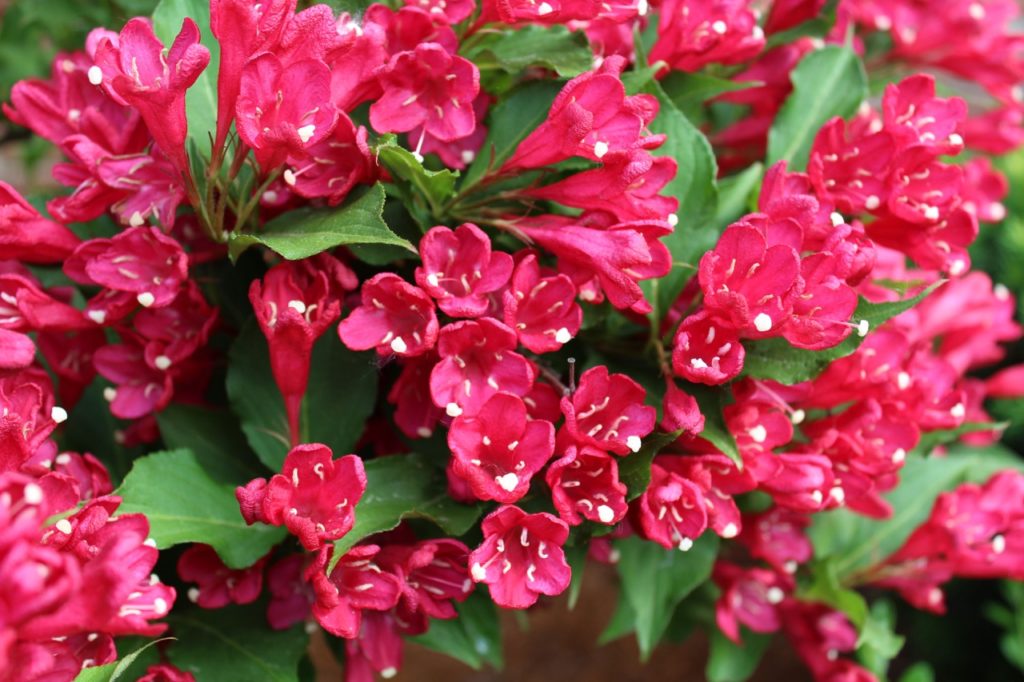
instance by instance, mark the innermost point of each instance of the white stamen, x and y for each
(872, 202)
(110, 394)
(605, 513)
(999, 544)
(508, 482)
(58, 414)
(136, 219)
(775, 595)
(193, 594)
(388, 673)
(97, 316)
(64, 526)
(432, 279)
(958, 411)
(33, 494)
(146, 299)
(298, 306)
(468, 156)
(162, 362)
(398, 345)
(563, 335)
(798, 416)
(730, 531)
(633, 443)
(758, 434)
(685, 544)
(790, 566)
(863, 327)
(899, 456)
(903, 380)
(837, 494)
(306, 132)
(150, 542)
(762, 322)
(600, 149)
(95, 75)
(837, 219)
(672, 219)
(452, 410)
(289, 177)
(719, 27)
(956, 140)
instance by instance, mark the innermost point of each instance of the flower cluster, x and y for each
(428, 232)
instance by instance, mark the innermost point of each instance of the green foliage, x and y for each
(118, 670)
(473, 638)
(635, 469)
(191, 499)
(401, 487)
(731, 662)
(654, 581)
(340, 396)
(308, 231)
(828, 82)
(432, 187)
(235, 644)
(553, 47)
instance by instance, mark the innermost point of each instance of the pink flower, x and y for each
(25, 307)
(590, 117)
(749, 597)
(694, 33)
(243, 29)
(27, 236)
(218, 584)
(427, 86)
(459, 269)
(395, 317)
(16, 350)
(749, 285)
(153, 186)
(165, 672)
(789, 13)
(291, 597)
(672, 510)
(477, 361)
(521, 557)
(294, 305)
(136, 71)
(436, 574)
(497, 451)
(851, 172)
(795, 481)
(415, 412)
(719, 480)
(585, 485)
(139, 389)
(626, 186)
(607, 412)
(27, 416)
(542, 310)
(706, 352)
(448, 11)
(460, 152)
(176, 331)
(680, 410)
(283, 109)
(915, 116)
(821, 313)
(984, 188)
(355, 585)
(777, 536)
(314, 496)
(922, 189)
(333, 166)
(140, 265)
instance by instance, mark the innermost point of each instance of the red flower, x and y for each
(218, 584)
(915, 116)
(707, 352)
(415, 412)
(672, 510)
(139, 388)
(395, 317)
(355, 585)
(542, 310)
(460, 269)
(585, 484)
(607, 412)
(333, 166)
(27, 236)
(695, 33)
(749, 596)
(314, 496)
(497, 451)
(427, 86)
(521, 557)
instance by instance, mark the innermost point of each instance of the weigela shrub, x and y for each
(360, 325)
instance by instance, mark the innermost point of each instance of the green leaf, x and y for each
(474, 637)
(510, 121)
(235, 644)
(933, 439)
(308, 231)
(734, 194)
(655, 580)
(635, 469)
(776, 359)
(576, 557)
(111, 672)
(878, 643)
(690, 90)
(209, 433)
(919, 672)
(340, 396)
(400, 487)
(201, 98)
(731, 662)
(826, 83)
(712, 401)
(553, 47)
(188, 499)
(621, 624)
(435, 186)
(695, 188)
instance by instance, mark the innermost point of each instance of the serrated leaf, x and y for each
(235, 644)
(695, 188)
(308, 231)
(435, 186)
(552, 47)
(776, 359)
(112, 672)
(209, 433)
(400, 487)
(731, 662)
(201, 98)
(655, 580)
(340, 396)
(474, 637)
(826, 83)
(635, 469)
(508, 124)
(187, 499)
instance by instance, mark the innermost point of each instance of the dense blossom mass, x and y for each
(319, 280)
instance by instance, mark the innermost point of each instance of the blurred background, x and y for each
(980, 639)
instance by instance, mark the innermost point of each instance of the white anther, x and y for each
(958, 411)
(762, 322)
(775, 595)
(758, 434)
(193, 594)
(150, 542)
(903, 380)
(162, 362)
(837, 219)
(563, 335)
(899, 455)
(600, 149)
(468, 156)
(863, 327)
(398, 345)
(58, 414)
(298, 306)
(685, 544)
(790, 566)
(388, 673)
(673, 219)
(798, 416)
(999, 544)
(730, 531)
(478, 572)
(97, 316)
(95, 75)
(306, 132)
(956, 140)
(633, 443)
(432, 279)
(289, 177)
(110, 394)
(837, 494)
(817, 497)
(508, 482)
(64, 526)
(452, 410)
(146, 299)
(544, 8)
(872, 202)
(136, 219)
(719, 27)
(605, 513)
